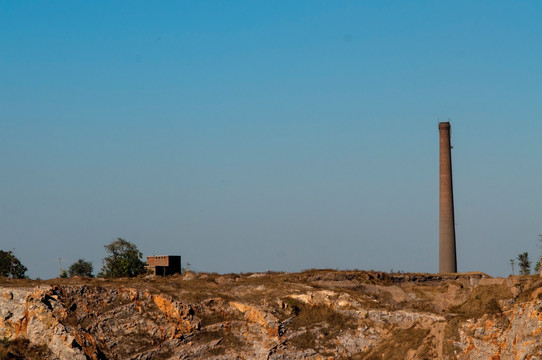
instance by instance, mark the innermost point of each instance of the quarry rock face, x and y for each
(317, 314)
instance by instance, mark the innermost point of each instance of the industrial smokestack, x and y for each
(447, 258)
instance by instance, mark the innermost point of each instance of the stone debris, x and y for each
(317, 314)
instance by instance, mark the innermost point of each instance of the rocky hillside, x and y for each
(317, 314)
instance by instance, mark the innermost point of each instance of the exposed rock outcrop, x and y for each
(311, 315)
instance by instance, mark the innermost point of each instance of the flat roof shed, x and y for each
(164, 264)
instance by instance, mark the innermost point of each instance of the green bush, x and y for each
(10, 266)
(80, 268)
(124, 261)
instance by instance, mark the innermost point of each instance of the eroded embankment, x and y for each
(318, 314)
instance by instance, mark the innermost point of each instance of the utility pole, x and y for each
(11, 262)
(59, 268)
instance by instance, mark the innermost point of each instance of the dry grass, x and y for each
(307, 316)
(20, 349)
(219, 317)
(451, 334)
(399, 343)
(528, 284)
(304, 341)
(483, 300)
(316, 320)
(227, 341)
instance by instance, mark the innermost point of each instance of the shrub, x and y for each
(10, 266)
(81, 268)
(125, 260)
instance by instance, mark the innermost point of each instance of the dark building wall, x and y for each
(164, 264)
(175, 262)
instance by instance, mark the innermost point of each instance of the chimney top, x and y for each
(444, 125)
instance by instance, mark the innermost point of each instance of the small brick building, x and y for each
(164, 264)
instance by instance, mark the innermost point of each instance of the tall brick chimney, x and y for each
(447, 258)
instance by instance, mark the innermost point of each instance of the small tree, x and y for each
(537, 266)
(10, 266)
(524, 263)
(125, 260)
(80, 268)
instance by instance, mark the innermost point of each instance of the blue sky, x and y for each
(279, 135)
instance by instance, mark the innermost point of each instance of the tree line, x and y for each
(124, 260)
(525, 263)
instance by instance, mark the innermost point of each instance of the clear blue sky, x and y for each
(283, 135)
